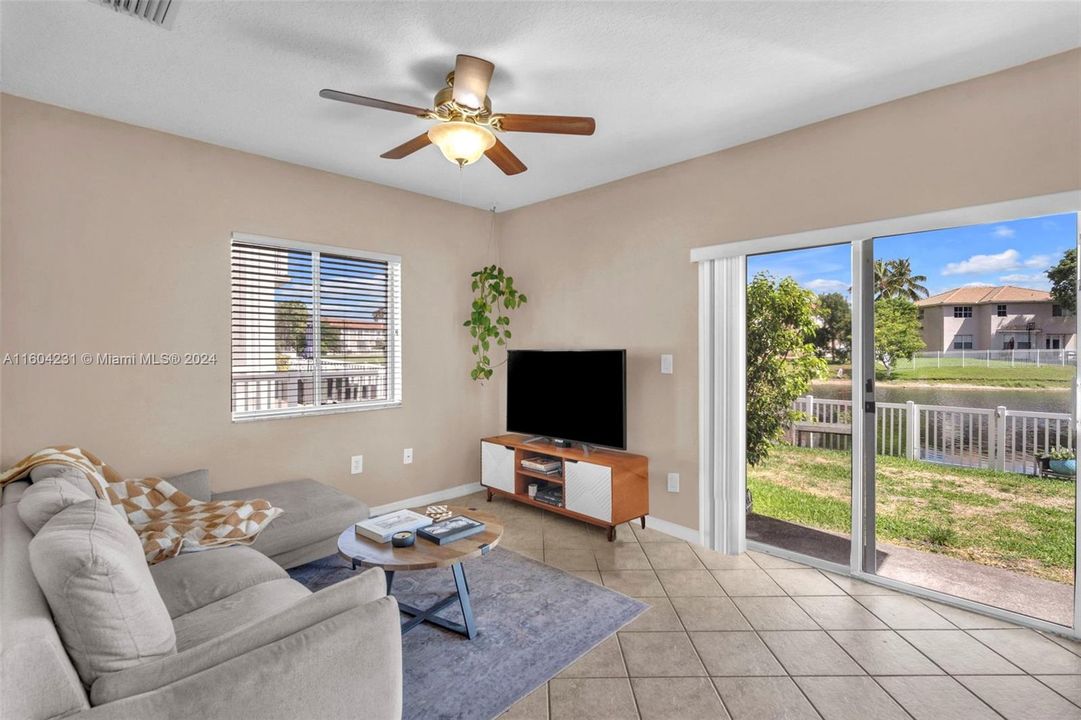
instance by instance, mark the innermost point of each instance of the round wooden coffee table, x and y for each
(426, 555)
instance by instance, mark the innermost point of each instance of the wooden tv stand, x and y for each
(600, 487)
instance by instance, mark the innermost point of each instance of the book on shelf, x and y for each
(542, 464)
(380, 528)
(451, 530)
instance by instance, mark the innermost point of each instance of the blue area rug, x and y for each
(533, 620)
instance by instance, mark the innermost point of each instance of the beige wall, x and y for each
(609, 266)
(116, 239)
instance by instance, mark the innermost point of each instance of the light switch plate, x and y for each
(673, 482)
(407, 456)
(666, 364)
(357, 465)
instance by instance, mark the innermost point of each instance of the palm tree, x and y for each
(894, 279)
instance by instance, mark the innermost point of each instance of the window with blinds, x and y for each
(314, 329)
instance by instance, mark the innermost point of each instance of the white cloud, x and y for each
(823, 285)
(1023, 277)
(1003, 231)
(977, 284)
(1005, 260)
(1039, 261)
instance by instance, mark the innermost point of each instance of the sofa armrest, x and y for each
(310, 630)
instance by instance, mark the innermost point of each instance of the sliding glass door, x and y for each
(974, 352)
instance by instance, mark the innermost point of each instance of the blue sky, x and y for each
(1018, 252)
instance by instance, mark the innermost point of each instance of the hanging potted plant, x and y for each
(493, 294)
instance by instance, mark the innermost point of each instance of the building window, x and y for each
(1001, 311)
(962, 311)
(1056, 311)
(962, 342)
(314, 329)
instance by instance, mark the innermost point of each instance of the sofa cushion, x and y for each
(64, 472)
(247, 606)
(46, 498)
(313, 512)
(194, 483)
(191, 580)
(90, 565)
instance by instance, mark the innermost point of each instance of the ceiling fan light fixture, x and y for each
(463, 143)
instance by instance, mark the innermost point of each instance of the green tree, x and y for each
(1063, 277)
(834, 326)
(897, 332)
(330, 338)
(291, 326)
(894, 279)
(781, 359)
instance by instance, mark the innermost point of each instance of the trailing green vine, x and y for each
(494, 294)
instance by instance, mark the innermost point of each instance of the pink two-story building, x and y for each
(996, 318)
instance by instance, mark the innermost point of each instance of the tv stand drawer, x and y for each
(587, 489)
(497, 466)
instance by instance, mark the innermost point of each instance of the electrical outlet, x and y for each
(407, 456)
(673, 482)
(357, 465)
(666, 364)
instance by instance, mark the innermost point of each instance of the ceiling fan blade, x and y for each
(504, 159)
(471, 78)
(372, 102)
(559, 124)
(407, 148)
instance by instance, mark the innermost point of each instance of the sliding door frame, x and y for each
(722, 382)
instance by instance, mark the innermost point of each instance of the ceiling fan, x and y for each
(466, 126)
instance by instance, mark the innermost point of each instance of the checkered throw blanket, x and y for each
(167, 521)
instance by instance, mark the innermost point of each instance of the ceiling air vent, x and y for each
(154, 11)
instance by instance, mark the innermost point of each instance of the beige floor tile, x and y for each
(1021, 698)
(624, 534)
(747, 582)
(936, 698)
(531, 552)
(660, 654)
(958, 653)
(677, 699)
(1030, 651)
(649, 535)
(804, 582)
(570, 558)
(603, 661)
(533, 706)
(967, 620)
(771, 561)
(714, 560)
(764, 698)
(621, 556)
(689, 582)
(850, 698)
(774, 613)
(636, 583)
(659, 617)
(1068, 686)
(839, 613)
(1072, 645)
(810, 652)
(576, 536)
(525, 539)
(735, 654)
(593, 577)
(672, 556)
(709, 613)
(857, 587)
(904, 613)
(884, 652)
(577, 698)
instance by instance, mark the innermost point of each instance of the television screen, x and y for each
(577, 395)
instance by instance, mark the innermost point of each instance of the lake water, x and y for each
(1046, 400)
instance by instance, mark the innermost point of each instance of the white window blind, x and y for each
(315, 329)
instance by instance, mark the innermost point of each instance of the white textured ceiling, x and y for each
(666, 81)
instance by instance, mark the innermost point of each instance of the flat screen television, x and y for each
(574, 395)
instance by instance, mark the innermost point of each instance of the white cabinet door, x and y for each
(497, 467)
(588, 489)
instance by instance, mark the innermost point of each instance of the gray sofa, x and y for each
(250, 641)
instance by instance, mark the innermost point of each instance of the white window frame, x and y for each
(394, 328)
(722, 482)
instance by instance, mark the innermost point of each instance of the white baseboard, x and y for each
(437, 496)
(670, 528)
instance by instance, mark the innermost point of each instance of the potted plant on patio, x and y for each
(1061, 461)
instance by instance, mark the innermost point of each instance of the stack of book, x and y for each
(541, 464)
(550, 494)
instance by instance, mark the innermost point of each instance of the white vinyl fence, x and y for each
(999, 438)
(989, 358)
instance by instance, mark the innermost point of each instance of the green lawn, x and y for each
(998, 374)
(1019, 522)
